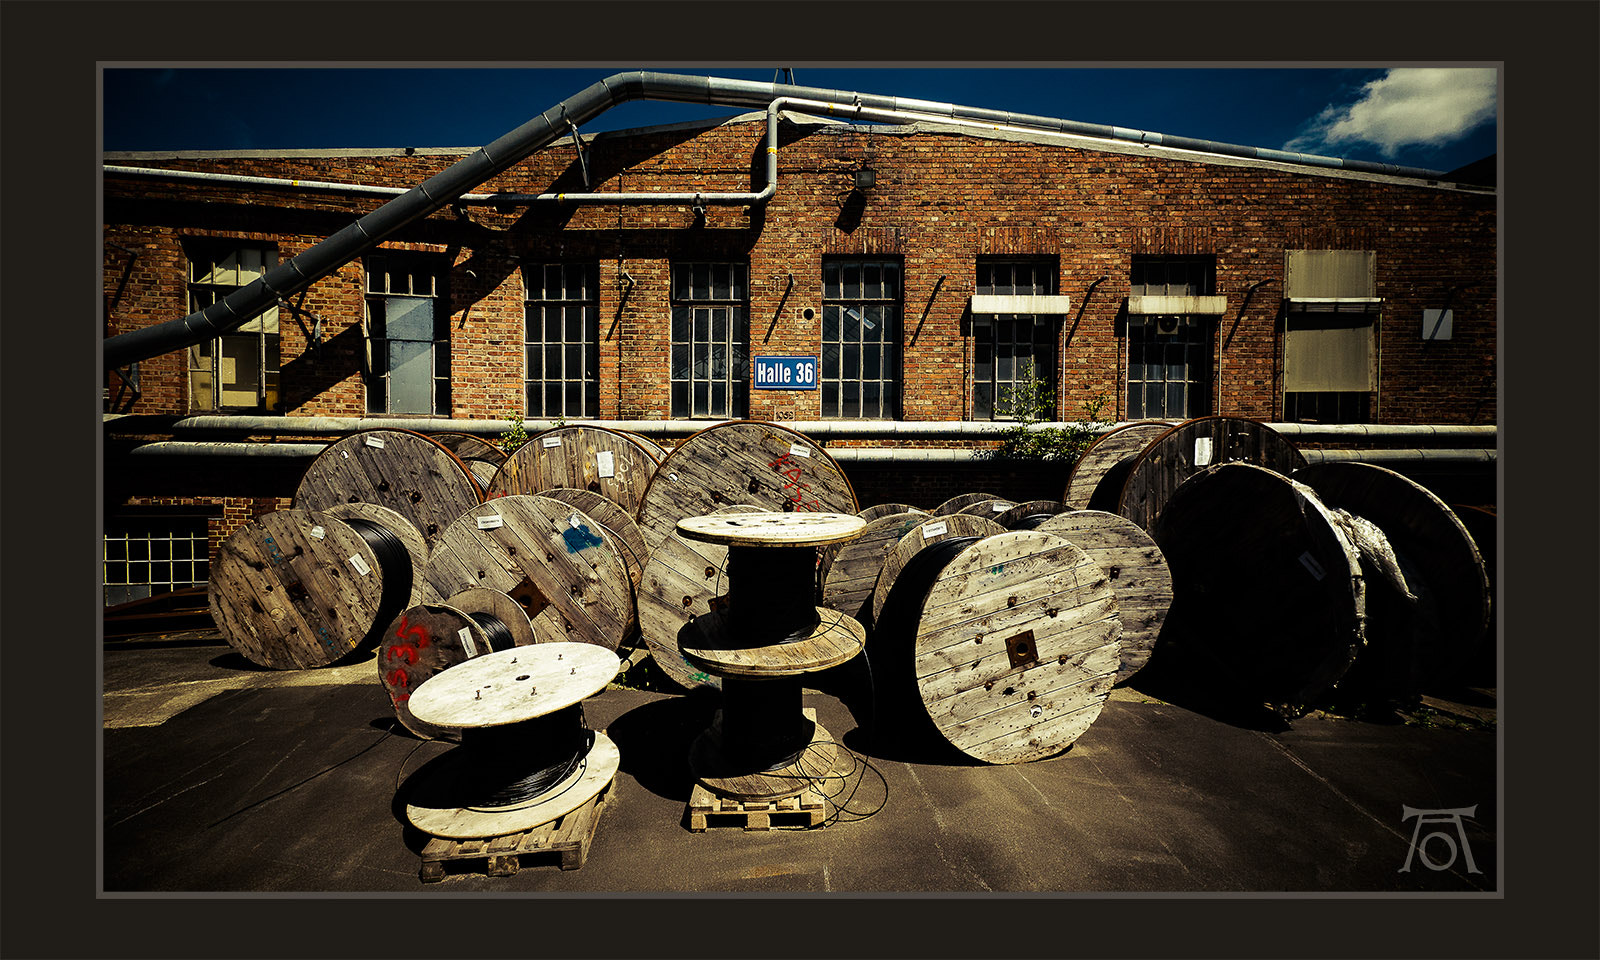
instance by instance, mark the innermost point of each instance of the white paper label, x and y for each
(673, 477)
(1202, 451)
(375, 442)
(549, 442)
(799, 450)
(1311, 565)
(1003, 507)
(317, 533)
(575, 522)
(345, 454)
(605, 463)
(360, 565)
(491, 522)
(931, 530)
(465, 633)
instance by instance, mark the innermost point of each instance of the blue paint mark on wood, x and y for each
(580, 538)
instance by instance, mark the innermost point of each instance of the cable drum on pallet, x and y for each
(297, 589)
(407, 472)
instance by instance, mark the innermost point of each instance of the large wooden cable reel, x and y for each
(1427, 586)
(614, 464)
(617, 523)
(1097, 476)
(408, 472)
(1016, 647)
(547, 555)
(852, 571)
(297, 589)
(1186, 449)
(1269, 601)
(1139, 577)
(482, 457)
(750, 462)
(396, 526)
(929, 531)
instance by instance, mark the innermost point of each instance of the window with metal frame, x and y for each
(238, 370)
(1169, 356)
(1330, 343)
(408, 334)
(146, 557)
(1012, 350)
(562, 339)
(710, 374)
(861, 308)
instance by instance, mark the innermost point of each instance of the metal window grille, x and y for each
(710, 374)
(1011, 351)
(562, 339)
(408, 335)
(145, 558)
(238, 370)
(861, 309)
(1169, 357)
(1327, 406)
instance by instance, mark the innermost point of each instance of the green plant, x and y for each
(515, 437)
(1031, 402)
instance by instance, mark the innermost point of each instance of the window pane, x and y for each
(409, 319)
(831, 287)
(680, 324)
(410, 377)
(680, 361)
(832, 321)
(680, 399)
(535, 357)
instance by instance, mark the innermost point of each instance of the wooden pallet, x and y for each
(567, 838)
(707, 809)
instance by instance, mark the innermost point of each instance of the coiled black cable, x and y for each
(494, 630)
(507, 765)
(1031, 521)
(394, 567)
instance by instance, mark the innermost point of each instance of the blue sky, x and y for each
(1433, 118)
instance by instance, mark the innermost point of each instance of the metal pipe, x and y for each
(448, 186)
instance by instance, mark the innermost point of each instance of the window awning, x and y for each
(998, 303)
(1335, 304)
(1146, 305)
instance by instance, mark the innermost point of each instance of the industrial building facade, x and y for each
(911, 271)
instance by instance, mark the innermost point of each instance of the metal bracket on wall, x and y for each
(583, 155)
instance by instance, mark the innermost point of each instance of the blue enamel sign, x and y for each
(786, 373)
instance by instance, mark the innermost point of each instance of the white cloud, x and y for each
(1407, 106)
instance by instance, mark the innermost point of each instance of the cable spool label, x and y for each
(575, 522)
(1202, 454)
(345, 454)
(931, 530)
(1001, 507)
(1312, 566)
(799, 450)
(605, 464)
(549, 442)
(491, 522)
(465, 633)
(375, 442)
(360, 565)
(317, 533)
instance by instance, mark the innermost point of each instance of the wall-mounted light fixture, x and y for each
(866, 178)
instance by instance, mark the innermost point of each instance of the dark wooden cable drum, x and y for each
(1191, 446)
(852, 575)
(1029, 514)
(1268, 597)
(1139, 577)
(429, 637)
(761, 744)
(929, 531)
(960, 501)
(742, 462)
(608, 462)
(297, 589)
(407, 472)
(877, 510)
(550, 557)
(1097, 477)
(525, 758)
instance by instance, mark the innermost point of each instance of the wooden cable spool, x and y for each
(1013, 647)
(509, 705)
(961, 500)
(1427, 587)
(615, 521)
(656, 451)
(296, 589)
(1266, 589)
(1029, 514)
(608, 462)
(1481, 523)
(1132, 561)
(483, 458)
(550, 557)
(398, 527)
(992, 508)
(429, 637)
(742, 462)
(1097, 476)
(929, 531)
(761, 744)
(683, 579)
(1191, 446)
(877, 510)
(407, 472)
(852, 575)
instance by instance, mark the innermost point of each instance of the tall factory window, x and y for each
(1330, 345)
(144, 557)
(1012, 351)
(238, 370)
(562, 339)
(1170, 318)
(710, 374)
(408, 334)
(860, 375)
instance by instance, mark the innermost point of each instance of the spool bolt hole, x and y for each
(415, 496)
(688, 601)
(754, 486)
(1115, 571)
(383, 486)
(1011, 601)
(710, 572)
(523, 677)
(433, 528)
(352, 499)
(1008, 691)
(482, 575)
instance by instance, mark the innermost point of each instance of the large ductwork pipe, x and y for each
(446, 187)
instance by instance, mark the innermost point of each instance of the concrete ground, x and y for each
(223, 777)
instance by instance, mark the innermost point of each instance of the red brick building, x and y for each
(922, 266)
